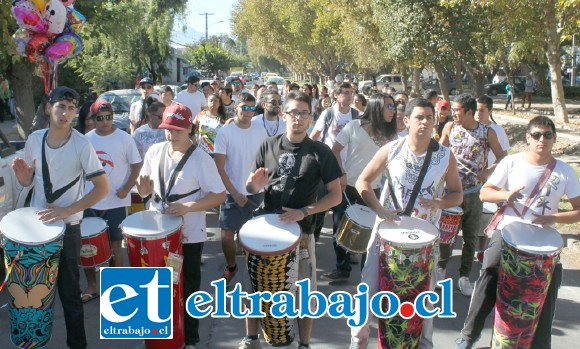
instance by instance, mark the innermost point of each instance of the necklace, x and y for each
(271, 134)
(63, 141)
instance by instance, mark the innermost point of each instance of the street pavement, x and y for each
(328, 332)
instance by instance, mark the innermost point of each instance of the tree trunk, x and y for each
(478, 77)
(553, 55)
(405, 78)
(442, 83)
(458, 78)
(22, 73)
(417, 80)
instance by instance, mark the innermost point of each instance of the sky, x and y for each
(221, 10)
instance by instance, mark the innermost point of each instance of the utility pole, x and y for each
(206, 14)
(573, 75)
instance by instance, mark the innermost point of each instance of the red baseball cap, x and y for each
(176, 117)
(443, 104)
(101, 106)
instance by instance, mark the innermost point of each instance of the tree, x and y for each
(208, 57)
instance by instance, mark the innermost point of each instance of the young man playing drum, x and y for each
(61, 158)
(404, 159)
(272, 171)
(194, 188)
(121, 161)
(513, 182)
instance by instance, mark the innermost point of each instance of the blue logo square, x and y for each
(136, 303)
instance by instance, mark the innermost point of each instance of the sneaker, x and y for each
(335, 275)
(229, 274)
(463, 344)
(189, 346)
(250, 344)
(465, 286)
(439, 275)
(358, 345)
(480, 257)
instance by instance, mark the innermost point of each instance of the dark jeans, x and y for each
(342, 255)
(69, 289)
(4, 110)
(485, 293)
(192, 282)
(470, 225)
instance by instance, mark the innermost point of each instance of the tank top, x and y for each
(470, 148)
(404, 167)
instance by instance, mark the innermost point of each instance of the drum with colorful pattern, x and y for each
(32, 249)
(529, 256)
(406, 262)
(271, 255)
(449, 224)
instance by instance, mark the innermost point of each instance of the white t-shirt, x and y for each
(116, 152)
(145, 137)
(194, 101)
(339, 121)
(361, 149)
(273, 128)
(137, 107)
(240, 147)
(76, 157)
(198, 172)
(514, 171)
(503, 141)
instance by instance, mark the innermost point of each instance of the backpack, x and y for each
(330, 116)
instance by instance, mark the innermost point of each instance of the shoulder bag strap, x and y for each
(164, 193)
(47, 184)
(327, 122)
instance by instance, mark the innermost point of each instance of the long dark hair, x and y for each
(221, 109)
(375, 115)
(84, 113)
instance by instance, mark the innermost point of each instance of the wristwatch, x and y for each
(304, 211)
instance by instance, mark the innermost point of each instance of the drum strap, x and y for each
(433, 146)
(497, 217)
(293, 176)
(48, 193)
(165, 196)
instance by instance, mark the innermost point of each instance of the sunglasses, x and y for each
(237, 83)
(538, 135)
(390, 106)
(107, 117)
(147, 87)
(248, 108)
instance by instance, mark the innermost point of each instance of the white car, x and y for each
(394, 80)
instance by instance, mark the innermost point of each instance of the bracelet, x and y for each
(304, 211)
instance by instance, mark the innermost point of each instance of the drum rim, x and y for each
(59, 237)
(534, 253)
(151, 236)
(273, 253)
(164, 234)
(453, 213)
(413, 245)
(354, 221)
(94, 234)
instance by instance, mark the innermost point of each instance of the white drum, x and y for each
(266, 235)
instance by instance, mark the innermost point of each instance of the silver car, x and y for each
(121, 101)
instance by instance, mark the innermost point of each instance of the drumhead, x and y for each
(361, 215)
(532, 239)
(23, 226)
(409, 232)
(92, 225)
(453, 210)
(150, 224)
(489, 208)
(266, 235)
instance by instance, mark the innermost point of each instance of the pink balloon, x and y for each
(54, 16)
(74, 39)
(28, 17)
(58, 52)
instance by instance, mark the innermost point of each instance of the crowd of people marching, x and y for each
(299, 154)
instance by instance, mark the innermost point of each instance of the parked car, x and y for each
(121, 101)
(394, 80)
(278, 80)
(499, 88)
(433, 84)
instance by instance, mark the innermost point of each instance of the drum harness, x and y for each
(433, 146)
(165, 197)
(498, 216)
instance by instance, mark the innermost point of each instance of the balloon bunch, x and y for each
(48, 34)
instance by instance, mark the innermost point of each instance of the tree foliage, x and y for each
(209, 58)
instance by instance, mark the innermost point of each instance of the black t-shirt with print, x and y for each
(278, 155)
